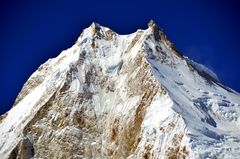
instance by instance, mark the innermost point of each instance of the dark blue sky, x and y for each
(31, 32)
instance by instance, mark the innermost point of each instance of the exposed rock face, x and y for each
(121, 96)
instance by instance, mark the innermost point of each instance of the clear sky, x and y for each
(31, 32)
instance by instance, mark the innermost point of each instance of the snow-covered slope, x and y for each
(122, 96)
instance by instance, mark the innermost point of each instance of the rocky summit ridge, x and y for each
(122, 96)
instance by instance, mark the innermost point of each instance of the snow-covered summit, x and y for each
(122, 96)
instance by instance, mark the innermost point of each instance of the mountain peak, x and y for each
(114, 96)
(95, 26)
(99, 31)
(156, 30)
(152, 24)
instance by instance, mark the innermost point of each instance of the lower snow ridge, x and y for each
(163, 132)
